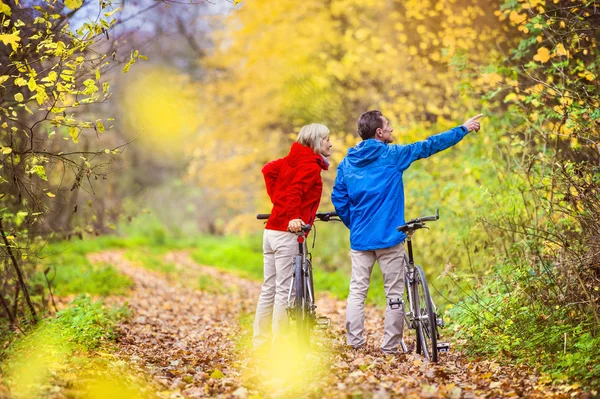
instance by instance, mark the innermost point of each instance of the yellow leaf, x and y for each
(491, 78)
(41, 96)
(11, 39)
(20, 82)
(100, 126)
(4, 78)
(5, 9)
(73, 4)
(560, 49)
(588, 75)
(49, 194)
(51, 77)
(19, 97)
(74, 133)
(31, 84)
(6, 150)
(543, 55)
(110, 13)
(517, 18)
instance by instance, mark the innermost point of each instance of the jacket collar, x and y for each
(301, 154)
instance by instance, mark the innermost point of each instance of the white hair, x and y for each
(312, 135)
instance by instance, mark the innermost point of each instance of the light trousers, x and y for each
(391, 262)
(279, 250)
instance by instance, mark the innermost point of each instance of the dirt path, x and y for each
(191, 332)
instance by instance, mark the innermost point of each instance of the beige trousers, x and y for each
(279, 250)
(391, 262)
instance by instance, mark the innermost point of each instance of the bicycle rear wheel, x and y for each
(425, 317)
(310, 313)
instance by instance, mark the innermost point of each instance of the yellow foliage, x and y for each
(5, 9)
(10, 39)
(491, 79)
(543, 55)
(588, 75)
(73, 4)
(277, 66)
(517, 18)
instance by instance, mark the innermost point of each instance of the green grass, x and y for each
(71, 272)
(62, 352)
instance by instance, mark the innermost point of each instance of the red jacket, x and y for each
(294, 185)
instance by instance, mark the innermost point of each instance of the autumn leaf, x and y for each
(110, 13)
(543, 55)
(5, 9)
(11, 39)
(74, 133)
(19, 97)
(73, 4)
(100, 126)
(517, 18)
(31, 84)
(587, 75)
(217, 374)
(4, 78)
(40, 171)
(560, 49)
(20, 81)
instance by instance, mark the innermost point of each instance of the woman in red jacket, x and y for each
(294, 185)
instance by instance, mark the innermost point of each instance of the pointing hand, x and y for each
(473, 123)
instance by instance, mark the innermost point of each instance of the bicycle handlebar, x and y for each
(322, 216)
(432, 218)
(418, 223)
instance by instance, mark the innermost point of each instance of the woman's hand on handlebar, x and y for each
(295, 225)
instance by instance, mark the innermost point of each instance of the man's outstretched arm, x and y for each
(407, 154)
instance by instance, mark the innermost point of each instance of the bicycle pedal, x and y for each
(323, 322)
(443, 346)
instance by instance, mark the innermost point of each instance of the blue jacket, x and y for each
(369, 194)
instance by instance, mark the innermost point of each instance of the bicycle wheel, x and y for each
(299, 303)
(425, 317)
(310, 299)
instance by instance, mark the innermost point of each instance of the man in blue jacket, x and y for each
(368, 195)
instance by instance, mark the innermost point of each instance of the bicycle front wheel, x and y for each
(300, 301)
(425, 318)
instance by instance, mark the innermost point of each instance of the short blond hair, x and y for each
(312, 135)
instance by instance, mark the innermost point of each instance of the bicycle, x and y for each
(301, 307)
(422, 313)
